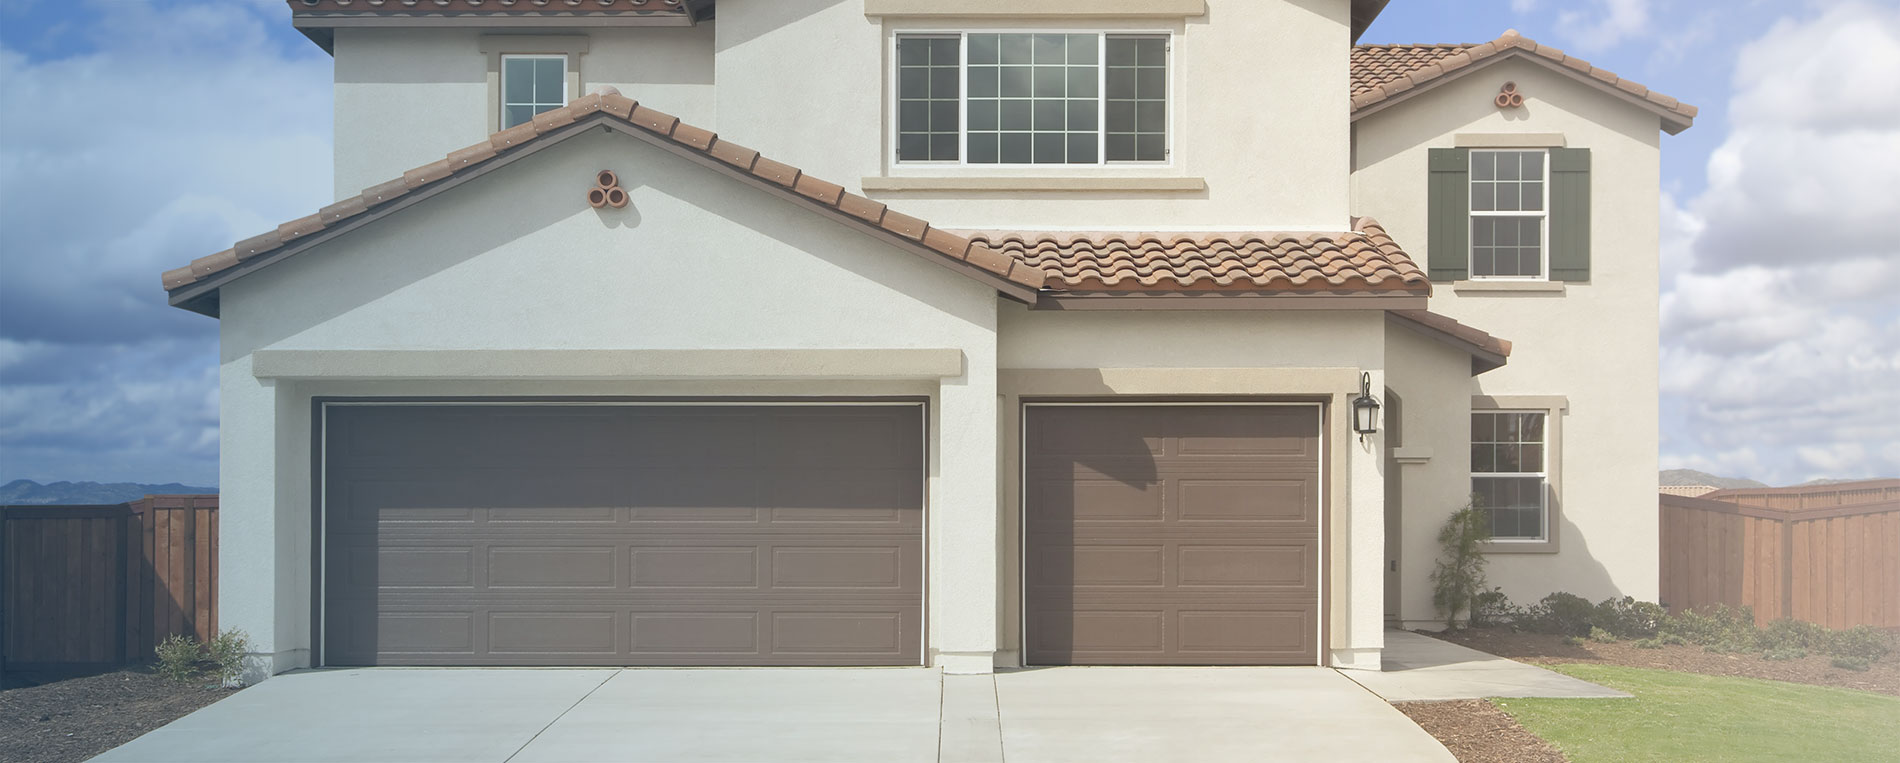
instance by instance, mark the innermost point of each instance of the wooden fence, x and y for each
(86, 587)
(1826, 554)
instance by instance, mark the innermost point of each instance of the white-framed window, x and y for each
(1510, 453)
(1032, 98)
(531, 84)
(1510, 210)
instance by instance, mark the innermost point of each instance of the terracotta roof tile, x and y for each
(1382, 72)
(1474, 337)
(1362, 260)
(829, 197)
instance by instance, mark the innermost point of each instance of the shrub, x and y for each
(1670, 639)
(178, 657)
(1794, 634)
(1602, 636)
(1562, 613)
(1649, 643)
(1730, 629)
(1861, 642)
(182, 658)
(1494, 608)
(1574, 640)
(1784, 653)
(1458, 579)
(1629, 618)
(1851, 663)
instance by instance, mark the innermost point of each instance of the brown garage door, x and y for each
(1171, 535)
(623, 535)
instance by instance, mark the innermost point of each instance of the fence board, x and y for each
(1831, 557)
(101, 585)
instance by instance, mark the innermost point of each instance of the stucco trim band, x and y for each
(980, 183)
(1462, 287)
(1508, 140)
(608, 364)
(1033, 8)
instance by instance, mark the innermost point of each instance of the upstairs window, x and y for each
(1509, 472)
(1509, 204)
(531, 85)
(1019, 98)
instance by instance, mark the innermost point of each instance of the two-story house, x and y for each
(971, 334)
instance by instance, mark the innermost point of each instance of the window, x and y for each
(531, 85)
(1508, 211)
(1509, 471)
(1015, 98)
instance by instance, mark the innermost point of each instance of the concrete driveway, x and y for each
(834, 715)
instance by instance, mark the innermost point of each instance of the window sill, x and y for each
(888, 184)
(1508, 286)
(1520, 547)
(1021, 8)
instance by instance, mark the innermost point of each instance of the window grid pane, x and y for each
(531, 85)
(1507, 464)
(929, 98)
(1137, 99)
(1507, 214)
(1033, 99)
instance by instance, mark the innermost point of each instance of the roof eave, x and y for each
(321, 27)
(1673, 122)
(1483, 358)
(1364, 12)
(1231, 300)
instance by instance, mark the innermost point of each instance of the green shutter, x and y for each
(1570, 214)
(1449, 212)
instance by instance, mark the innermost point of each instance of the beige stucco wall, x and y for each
(808, 82)
(1593, 343)
(1299, 356)
(1428, 461)
(407, 97)
(515, 260)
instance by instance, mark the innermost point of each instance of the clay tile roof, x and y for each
(1487, 352)
(1010, 275)
(1361, 260)
(1381, 73)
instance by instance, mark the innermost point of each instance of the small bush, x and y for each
(1648, 643)
(1629, 618)
(1493, 607)
(1731, 628)
(1785, 653)
(1561, 613)
(1458, 578)
(178, 657)
(1574, 640)
(1861, 643)
(224, 656)
(1851, 663)
(1670, 639)
(1602, 636)
(1794, 634)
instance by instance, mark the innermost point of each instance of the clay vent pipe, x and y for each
(606, 191)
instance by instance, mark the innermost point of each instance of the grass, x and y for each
(1691, 717)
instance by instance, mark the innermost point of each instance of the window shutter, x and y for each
(1449, 211)
(1570, 214)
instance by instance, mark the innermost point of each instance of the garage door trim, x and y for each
(1323, 495)
(319, 407)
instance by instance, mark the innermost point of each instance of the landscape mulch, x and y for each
(1546, 649)
(71, 720)
(1476, 731)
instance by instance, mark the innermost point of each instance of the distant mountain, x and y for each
(67, 493)
(1831, 481)
(1693, 477)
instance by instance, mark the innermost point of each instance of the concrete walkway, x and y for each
(838, 715)
(1424, 668)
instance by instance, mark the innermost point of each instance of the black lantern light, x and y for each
(1365, 409)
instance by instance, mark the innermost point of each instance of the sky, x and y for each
(138, 135)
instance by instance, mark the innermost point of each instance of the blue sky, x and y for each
(134, 140)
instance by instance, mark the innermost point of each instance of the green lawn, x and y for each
(1690, 717)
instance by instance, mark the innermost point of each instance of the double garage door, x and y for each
(623, 535)
(759, 534)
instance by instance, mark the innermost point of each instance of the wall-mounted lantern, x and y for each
(1365, 409)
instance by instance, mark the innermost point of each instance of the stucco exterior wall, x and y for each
(407, 97)
(809, 82)
(515, 260)
(1303, 356)
(1427, 409)
(1594, 343)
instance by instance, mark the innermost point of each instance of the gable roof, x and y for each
(1487, 352)
(194, 287)
(1386, 75)
(319, 19)
(1360, 261)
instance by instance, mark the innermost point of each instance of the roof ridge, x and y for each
(608, 102)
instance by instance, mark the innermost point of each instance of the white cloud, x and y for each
(162, 133)
(1780, 330)
(1601, 24)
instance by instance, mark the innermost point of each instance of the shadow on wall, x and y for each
(763, 17)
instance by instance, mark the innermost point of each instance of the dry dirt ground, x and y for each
(1539, 648)
(71, 720)
(1478, 732)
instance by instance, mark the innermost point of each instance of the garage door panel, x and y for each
(668, 559)
(1204, 551)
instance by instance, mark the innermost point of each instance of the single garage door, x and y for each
(1171, 534)
(623, 534)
